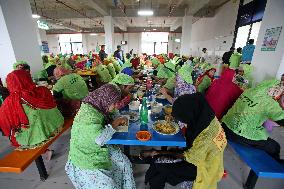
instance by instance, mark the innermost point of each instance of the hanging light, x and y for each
(145, 12)
(35, 16)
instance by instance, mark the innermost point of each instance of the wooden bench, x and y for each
(17, 161)
(260, 163)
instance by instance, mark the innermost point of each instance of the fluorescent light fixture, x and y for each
(35, 16)
(145, 12)
(177, 40)
(42, 25)
(93, 34)
(154, 29)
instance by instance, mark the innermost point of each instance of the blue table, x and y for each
(130, 139)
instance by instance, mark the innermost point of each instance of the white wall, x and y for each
(6, 50)
(22, 32)
(53, 43)
(212, 32)
(174, 47)
(268, 63)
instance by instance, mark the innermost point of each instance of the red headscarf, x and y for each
(200, 78)
(223, 93)
(22, 91)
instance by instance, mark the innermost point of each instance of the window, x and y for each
(243, 34)
(71, 43)
(154, 42)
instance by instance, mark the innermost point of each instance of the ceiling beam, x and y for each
(195, 6)
(99, 6)
(176, 24)
(119, 24)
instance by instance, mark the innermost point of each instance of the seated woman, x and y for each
(19, 65)
(201, 163)
(28, 116)
(243, 122)
(183, 84)
(111, 70)
(69, 89)
(204, 81)
(104, 75)
(124, 83)
(165, 72)
(92, 163)
(223, 93)
(127, 68)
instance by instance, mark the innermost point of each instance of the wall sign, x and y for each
(42, 25)
(271, 38)
(44, 47)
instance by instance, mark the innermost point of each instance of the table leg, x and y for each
(164, 148)
(41, 168)
(251, 180)
(127, 150)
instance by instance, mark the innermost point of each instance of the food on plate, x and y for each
(160, 96)
(166, 128)
(169, 118)
(133, 116)
(134, 105)
(143, 135)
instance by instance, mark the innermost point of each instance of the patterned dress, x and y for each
(119, 176)
(182, 88)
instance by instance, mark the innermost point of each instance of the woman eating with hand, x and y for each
(92, 163)
(200, 164)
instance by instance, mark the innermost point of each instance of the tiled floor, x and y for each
(29, 179)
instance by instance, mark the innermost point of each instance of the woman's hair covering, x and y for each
(103, 97)
(117, 66)
(111, 70)
(127, 64)
(128, 71)
(185, 73)
(169, 65)
(155, 61)
(123, 79)
(18, 63)
(193, 110)
(103, 72)
(22, 91)
(60, 72)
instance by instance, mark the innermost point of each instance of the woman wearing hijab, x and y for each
(69, 90)
(201, 163)
(28, 116)
(205, 80)
(183, 84)
(243, 122)
(124, 83)
(92, 164)
(223, 93)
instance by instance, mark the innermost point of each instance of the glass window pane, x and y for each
(161, 48)
(65, 48)
(77, 48)
(242, 36)
(148, 47)
(254, 31)
(64, 38)
(76, 37)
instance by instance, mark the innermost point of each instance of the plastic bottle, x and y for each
(144, 114)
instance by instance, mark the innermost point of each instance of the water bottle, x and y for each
(144, 115)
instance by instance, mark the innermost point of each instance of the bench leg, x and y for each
(41, 168)
(251, 180)
(127, 150)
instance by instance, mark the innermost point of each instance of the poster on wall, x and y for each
(271, 38)
(44, 47)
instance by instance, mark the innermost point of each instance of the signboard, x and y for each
(271, 38)
(44, 47)
(42, 25)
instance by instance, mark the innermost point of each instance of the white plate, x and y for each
(133, 116)
(173, 124)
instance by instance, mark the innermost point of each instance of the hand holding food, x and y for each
(119, 122)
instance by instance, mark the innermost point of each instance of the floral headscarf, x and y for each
(60, 72)
(123, 79)
(103, 97)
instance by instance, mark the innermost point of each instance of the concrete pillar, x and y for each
(268, 64)
(18, 36)
(186, 35)
(109, 34)
(84, 43)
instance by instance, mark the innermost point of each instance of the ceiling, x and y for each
(65, 16)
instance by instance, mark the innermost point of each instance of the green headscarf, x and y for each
(164, 73)
(155, 61)
(185, 73)
(117, 66)
(127, 64)
(19, 63)
(123, 79)
(103, 73)
(170, 84)
(170, 65)
(111, 70)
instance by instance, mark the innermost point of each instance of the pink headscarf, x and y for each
(60, 72)
(103, 97)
